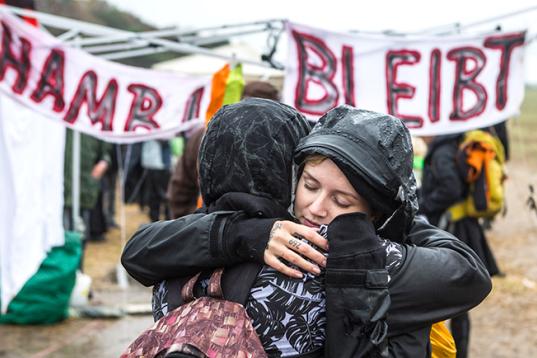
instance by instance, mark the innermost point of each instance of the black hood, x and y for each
(248, 148)
(374, 150)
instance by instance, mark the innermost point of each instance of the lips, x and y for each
(310, 223)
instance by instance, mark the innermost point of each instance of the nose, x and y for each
(317, 207)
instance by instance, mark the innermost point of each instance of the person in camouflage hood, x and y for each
(247, 149)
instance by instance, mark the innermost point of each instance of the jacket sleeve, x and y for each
(440, 278)
(188, 245)
(357, 296)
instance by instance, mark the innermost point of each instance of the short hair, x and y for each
(261, 89)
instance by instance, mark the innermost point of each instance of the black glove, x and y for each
(357, 297)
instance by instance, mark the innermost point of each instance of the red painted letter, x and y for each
(145, 104)
(322, 75)
(99, 110)
(465, 79)
(7, 59)
(192, 107)
(435, 85)
(505, 44)
(347, 65)
(51, 81)
(396, 90)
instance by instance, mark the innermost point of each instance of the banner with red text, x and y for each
(437, 85)
(108, 100)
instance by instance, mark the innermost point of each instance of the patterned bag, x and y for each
(206, 327)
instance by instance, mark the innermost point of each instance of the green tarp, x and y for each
(45, 296)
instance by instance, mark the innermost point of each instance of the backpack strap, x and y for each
(213, 290)
(215, 287)
(187, 291)
(237, 281)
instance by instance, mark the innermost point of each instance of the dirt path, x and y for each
(505, 325)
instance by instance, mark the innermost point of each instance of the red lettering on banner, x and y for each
(506, 44)
(145, 103)
(99, 110)
(435, 85)
(396, 90)
(192, 107)
(21, 65)
(322, 75)
(465, 79)
(347, 64)
(51, 80)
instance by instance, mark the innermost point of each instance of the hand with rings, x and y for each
(284, 244)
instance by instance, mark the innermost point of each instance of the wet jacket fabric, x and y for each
(442, 187)
(374, 151)
(357, 297)
(249, 151)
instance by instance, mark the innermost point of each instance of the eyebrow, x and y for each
(309, 176)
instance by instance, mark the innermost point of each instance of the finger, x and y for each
(308, 233)
(313, 237)
(297, 260)
(276, 264)
(305, 250)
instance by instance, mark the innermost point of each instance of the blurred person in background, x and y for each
(442, 187)
(94, 162)
(156, 161)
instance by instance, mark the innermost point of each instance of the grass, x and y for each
(523, 130)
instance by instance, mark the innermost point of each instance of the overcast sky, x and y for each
(342, 15)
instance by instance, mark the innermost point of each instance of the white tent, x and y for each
(203, 65)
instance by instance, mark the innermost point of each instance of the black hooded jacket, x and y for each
(374, 151)
(439, 278)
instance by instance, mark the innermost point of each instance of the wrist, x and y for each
(248, 237)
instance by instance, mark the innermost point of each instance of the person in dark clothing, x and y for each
(183, 188)
(109, 188)
(94, 162)
(156, 160)
(500, 131)
(261, 89)
(443, 186)
(426, 265)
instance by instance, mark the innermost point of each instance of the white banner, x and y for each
(108, 100)
(437, 85)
